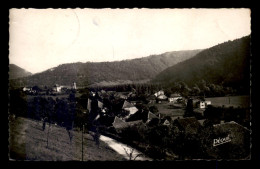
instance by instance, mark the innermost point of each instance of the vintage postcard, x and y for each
(129, 84)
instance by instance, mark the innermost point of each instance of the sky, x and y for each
(40, 39)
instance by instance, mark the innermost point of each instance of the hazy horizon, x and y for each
(41, 39)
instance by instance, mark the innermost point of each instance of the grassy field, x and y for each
(235, 101)
(169, 109)
(27, 141)
(173, 110)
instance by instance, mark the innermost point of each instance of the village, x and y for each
(173, 127)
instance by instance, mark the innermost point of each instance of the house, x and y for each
(162, 97)
(121, 95)
(174, 97)
(207, 102)
(151, 116)
(30, 90)
(202, 122)
(197, 103)
(100, 104)
(120, 124)
(201, 103)
(92, 93)
(27, 89)
(57, 88)
(139, 115)
(130, 108)
(165, 120)
(166, 123)
(152, 119)
(161, 92)
(189, 125)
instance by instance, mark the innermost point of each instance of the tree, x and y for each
(44, 123)
(44, 107)
(189, 109)
(97, 137)
(154, 109)
(167, 92)
(48, 133)
(50, 108)
(72, 97)
(196, 90)
(183, 88)
(18, 103)
(205, 90)
(36, 88)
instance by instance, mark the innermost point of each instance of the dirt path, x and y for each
(124, 149)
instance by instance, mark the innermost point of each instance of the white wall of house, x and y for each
(202, 105)
(131, 110)
(26, 89)
(162, 97)
(59, 88)
(174, 99)
(208, 102)
(159, 93)
(74, 86)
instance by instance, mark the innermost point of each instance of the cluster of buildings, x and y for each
(161, 97)
(225, 134)
(129, 114)
(55, 89)
(29, 90)
(177, 98)
(127, 111)
(59, 88)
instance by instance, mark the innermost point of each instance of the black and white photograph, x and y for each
(134, 84)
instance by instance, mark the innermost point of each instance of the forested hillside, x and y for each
(226, 64)
(17, 72)
(94, 72)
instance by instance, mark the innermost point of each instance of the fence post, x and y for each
(82, 141)
(48, 135)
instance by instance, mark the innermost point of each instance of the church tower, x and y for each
(74, 86)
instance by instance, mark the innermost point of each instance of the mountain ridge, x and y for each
(226, 64)
(17, 72)
(94, 72)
